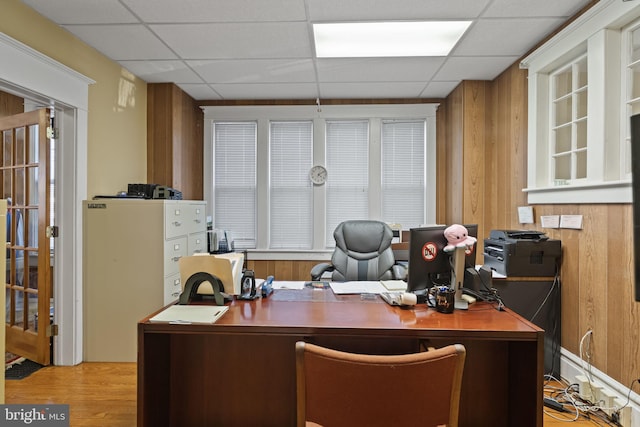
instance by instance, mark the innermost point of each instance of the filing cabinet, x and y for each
(131, 249)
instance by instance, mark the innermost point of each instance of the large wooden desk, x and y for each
(241, 370)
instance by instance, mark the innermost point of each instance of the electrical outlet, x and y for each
(625, 413)
(608, 401)
(584, 388)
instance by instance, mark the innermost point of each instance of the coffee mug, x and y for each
(443, 299)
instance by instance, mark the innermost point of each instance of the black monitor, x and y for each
(429, 264)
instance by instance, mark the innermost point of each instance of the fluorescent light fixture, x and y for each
(374, 39)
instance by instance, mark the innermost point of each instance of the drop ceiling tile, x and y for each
(498, 37)
(267, 91)
(439, 89)
(263, 48)
(520, 8)
(236, 41)
(255, 70)
(199, 91)
(362, 10)
(122, 42)
(165, 11)
(162, 71)
(83, 11)
(371, 90)
(474, 68)
(377, 69)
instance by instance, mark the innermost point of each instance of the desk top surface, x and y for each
(308, 311)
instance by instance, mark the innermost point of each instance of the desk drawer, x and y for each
(197, 243)
(174, 249)
(172, 288)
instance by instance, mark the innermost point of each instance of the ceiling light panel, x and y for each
(388, 39)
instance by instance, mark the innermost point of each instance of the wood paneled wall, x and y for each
(597, 263)
(282, 270)
(175, 140)
(10, 104)
(462, 128)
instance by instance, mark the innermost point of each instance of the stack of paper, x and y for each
(226, 267)
(187, 314)
(357, 287)
(394, 285)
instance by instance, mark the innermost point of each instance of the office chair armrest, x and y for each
(319, 269)
(399, 271)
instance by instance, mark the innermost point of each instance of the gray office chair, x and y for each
(363, 252)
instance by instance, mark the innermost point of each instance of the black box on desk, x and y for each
(521, 253)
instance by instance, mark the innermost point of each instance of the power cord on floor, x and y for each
(560, 394)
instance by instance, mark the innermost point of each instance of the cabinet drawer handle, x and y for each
(177, 223)
(175, 258)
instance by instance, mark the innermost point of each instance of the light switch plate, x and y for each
(550, 221)
(571, 221)
(525, 214)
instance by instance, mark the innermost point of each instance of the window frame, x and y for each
(263, 115)
(630, 105)
(596, 33)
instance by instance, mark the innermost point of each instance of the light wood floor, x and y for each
(104, 394)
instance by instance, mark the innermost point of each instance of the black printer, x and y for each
(521, 253)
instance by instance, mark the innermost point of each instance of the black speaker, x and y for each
(635, 170)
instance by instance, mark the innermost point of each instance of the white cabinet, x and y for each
(130, 251)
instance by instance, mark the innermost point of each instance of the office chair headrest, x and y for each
(363, 236)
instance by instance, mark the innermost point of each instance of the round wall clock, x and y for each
(318, 175)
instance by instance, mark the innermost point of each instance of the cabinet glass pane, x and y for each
(581, 73)
(581, 104)
(20, 187)
(563, 111)
(33, 154)
(20, 135)
(7, 147)
(6, 184)
(635, 82)
(33, 186)
(33, 313)
(635, 45)
(562, 83)
(562, 139)
(581, 134)
(32, 229)
(563, 167)
(581, 164)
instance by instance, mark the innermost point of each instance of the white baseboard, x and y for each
(572, 366)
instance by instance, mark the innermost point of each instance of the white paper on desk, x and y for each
(287, 284)
(190, 314)
(357, 287)
(394, 285)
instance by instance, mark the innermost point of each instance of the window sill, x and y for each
(614, 192)
(289, 255)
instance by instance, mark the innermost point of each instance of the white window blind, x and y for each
(347, 187)
(235, 181)
(403, 172)
(291, 192)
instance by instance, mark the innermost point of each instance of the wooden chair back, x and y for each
(336, 388)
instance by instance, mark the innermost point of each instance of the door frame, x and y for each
(51, 83)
